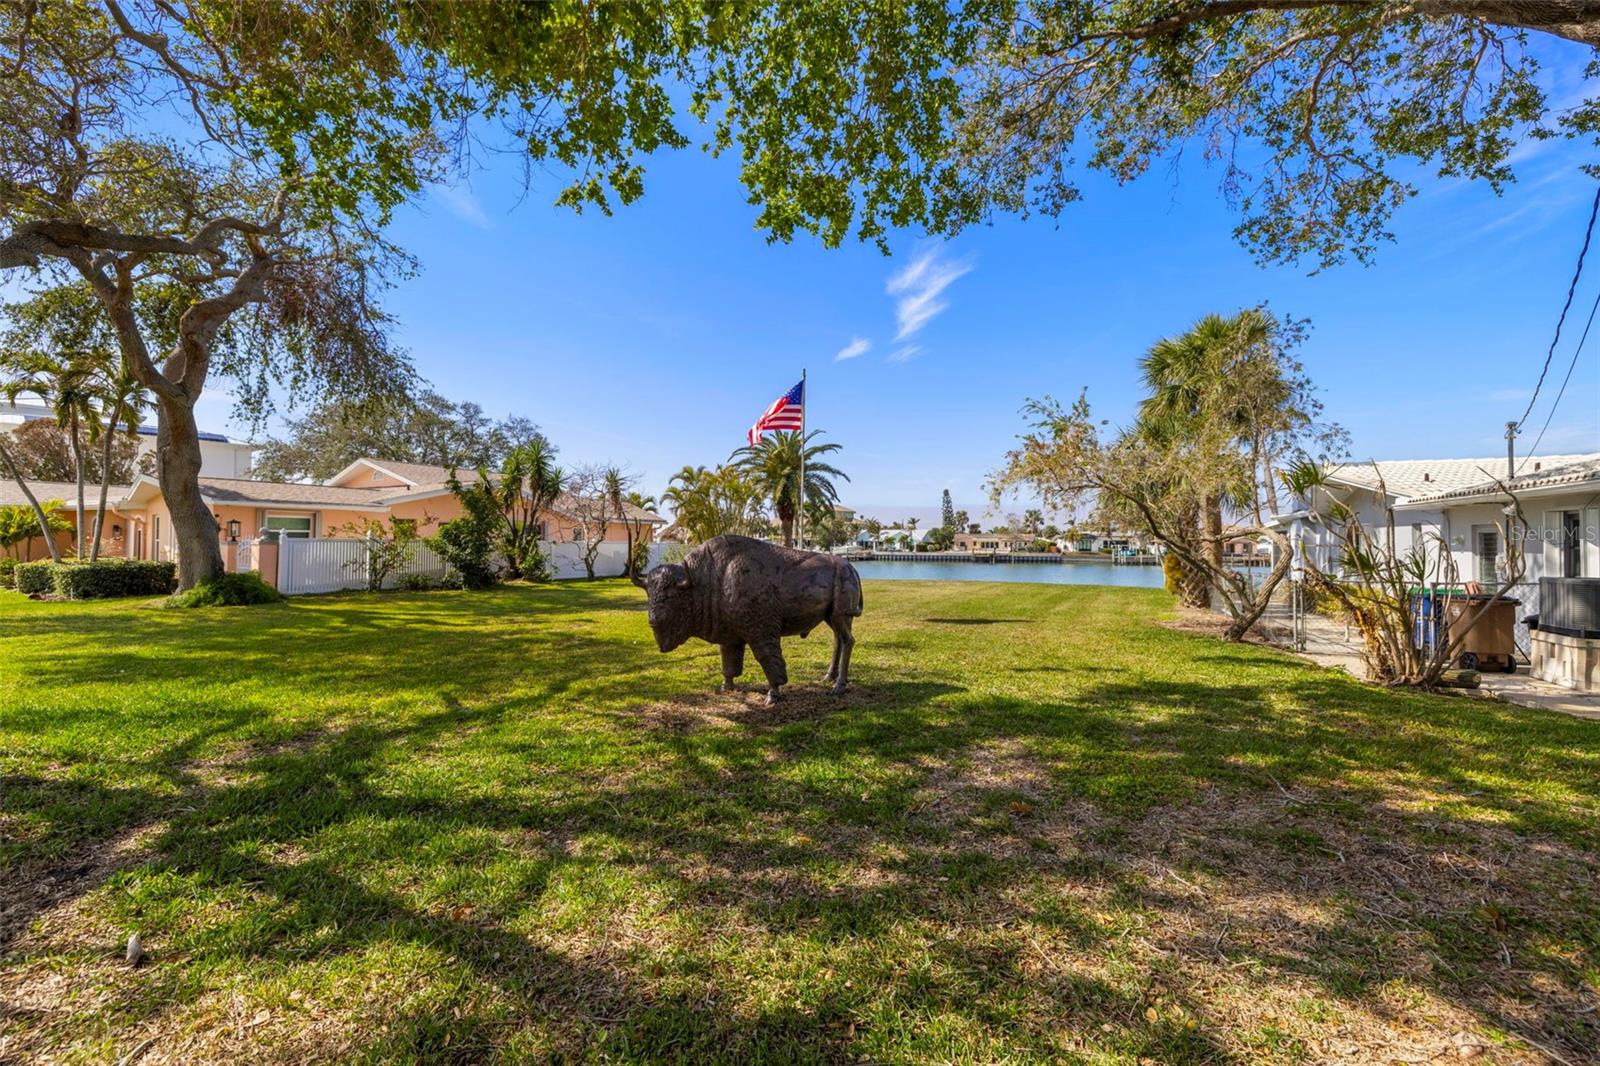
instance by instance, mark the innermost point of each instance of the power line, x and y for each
(1563, 390)
(1572, 288)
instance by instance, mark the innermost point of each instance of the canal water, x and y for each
(1075, 573)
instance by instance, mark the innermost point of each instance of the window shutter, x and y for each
(1591, 542)
(1550, 537)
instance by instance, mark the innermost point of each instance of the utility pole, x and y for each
(1511, 450)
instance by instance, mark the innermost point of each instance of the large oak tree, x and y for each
(249, 154)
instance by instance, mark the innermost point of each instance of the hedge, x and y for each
(103, 579)
(33, 579)
(8, 572)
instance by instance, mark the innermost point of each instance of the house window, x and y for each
(155, 537)
(291, 525)
(1571, 544)
(1488, 545)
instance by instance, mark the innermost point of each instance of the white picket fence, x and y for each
(331, 564)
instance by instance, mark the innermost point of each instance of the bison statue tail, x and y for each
(847, 598)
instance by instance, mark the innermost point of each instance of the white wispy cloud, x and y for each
(857, 346)
(1507, 395)
(920, 290)
(905, 353)
(460, 202)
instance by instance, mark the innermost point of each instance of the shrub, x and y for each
(33, 579)
(1173, 571)
(229, 590)
(465, 544)
(8, 572)
(535, 564)
(110, 578)
(416, 583)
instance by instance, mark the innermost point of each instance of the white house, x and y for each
(220, 455)
(1460, 503)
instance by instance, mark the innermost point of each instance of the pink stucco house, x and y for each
(138, 526)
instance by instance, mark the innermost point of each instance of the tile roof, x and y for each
(58, 490)
(1414, 478)
(1587, 468)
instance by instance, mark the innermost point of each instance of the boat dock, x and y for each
(1068, 558)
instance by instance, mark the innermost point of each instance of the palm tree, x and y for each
(1180, 373)
(775, 464)
(122, 402)
(707, 503)
(67, 385)
(620, 497)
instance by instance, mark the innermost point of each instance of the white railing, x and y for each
(331, 564)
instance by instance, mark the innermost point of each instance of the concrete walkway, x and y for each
(1330, 643)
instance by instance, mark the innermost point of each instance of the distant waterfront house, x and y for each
(993, 542)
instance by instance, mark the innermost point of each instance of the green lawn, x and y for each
(1044, 826)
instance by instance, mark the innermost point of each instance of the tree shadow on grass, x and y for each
(999, 875)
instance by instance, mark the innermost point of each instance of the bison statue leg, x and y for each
(732, 664)
(769, 653)
(843, 643)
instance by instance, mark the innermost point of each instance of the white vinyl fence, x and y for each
(566, 558)
(331, 564)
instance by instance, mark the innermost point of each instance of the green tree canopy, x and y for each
(1317, 113)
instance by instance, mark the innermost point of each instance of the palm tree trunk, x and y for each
(44, 521)
(77, 462)
(1213, 519)
(105, 490)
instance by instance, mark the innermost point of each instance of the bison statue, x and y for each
(739, 592)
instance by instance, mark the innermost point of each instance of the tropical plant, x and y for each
(20, 523)
(387, 547)
(707, 503)
(510, 502)
(776, 462)
(1142, 481)
(625, 500)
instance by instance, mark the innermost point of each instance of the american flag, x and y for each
(786, 412)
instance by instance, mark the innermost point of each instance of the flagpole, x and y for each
(800, 517)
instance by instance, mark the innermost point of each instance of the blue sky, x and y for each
(654, 337)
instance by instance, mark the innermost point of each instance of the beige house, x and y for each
(992, 542)
(139, 526)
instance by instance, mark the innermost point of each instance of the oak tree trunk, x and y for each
(194, 528)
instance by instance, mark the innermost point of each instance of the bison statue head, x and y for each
(671, 604)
